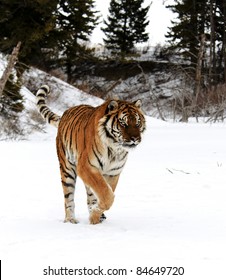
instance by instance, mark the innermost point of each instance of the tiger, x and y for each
(93, 143)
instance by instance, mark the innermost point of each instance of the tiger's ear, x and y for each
(113, 105)
(138, 103)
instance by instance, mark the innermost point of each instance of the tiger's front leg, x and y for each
(92, 204)
(102, 194)
(97, 207)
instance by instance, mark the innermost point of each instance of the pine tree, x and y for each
(125, 25)
(26, 21)
(11, 100)
(76, 20)
(185, 33)
(196, 18)
(51, 31)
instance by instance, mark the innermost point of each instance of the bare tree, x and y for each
(224, 39)
(198, 74)
(212, 60)
(12, 60)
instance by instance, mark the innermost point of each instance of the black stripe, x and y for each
(43, 95)
(68, 132)
(68, 185)
(51, 117)
(68, 175)
(44, 89)
(41, 101)
(85, 118)
(90, 194)
(91, 163)
(46, 113)
(96, 146)
(126, 153)
(98, 159)
(108, 134)
(109, 152)
(67, 195)
(117, 168)
(42, 107)
(107, 119)
(94, 201)
(110, 175)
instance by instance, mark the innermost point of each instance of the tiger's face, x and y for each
(124, 123)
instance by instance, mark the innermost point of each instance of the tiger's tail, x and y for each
(45, 112)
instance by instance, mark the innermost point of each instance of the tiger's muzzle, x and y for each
(134, 141)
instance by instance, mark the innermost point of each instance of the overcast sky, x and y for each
(159, 18)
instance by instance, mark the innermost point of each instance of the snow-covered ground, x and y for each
(169, 209)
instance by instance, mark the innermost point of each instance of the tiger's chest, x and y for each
(111, 161)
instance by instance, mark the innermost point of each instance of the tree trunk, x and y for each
(212, 61)
(12, 60)
(198, 74)
(224, 40)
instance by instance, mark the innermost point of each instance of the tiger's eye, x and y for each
(122, 123)
(138, 123)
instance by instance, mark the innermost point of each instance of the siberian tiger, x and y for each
(93, 143)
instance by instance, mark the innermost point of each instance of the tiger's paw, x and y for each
(95, 217)
(71, 220)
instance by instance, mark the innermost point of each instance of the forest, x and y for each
(184, 78)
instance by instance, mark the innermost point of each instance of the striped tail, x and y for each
(45, 112)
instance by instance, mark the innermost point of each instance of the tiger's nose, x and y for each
(135, 139)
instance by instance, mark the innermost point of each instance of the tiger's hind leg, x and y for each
(68, 184)
(68, 180)
(95, 215)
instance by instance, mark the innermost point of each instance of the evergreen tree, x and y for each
(196, 18)
(26, 21)
(125, 25)
(11, 99)
(76, 20)
(11, 104)
(48, 30)
(185, 33)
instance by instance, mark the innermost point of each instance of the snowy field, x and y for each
(169, 210)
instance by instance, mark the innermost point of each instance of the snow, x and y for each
(61, 97)
(169, 208)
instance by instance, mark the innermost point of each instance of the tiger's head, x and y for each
(124, 123)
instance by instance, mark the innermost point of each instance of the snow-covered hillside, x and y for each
(169, 209)
(62, 97)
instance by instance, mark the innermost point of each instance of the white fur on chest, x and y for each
(113, 161)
